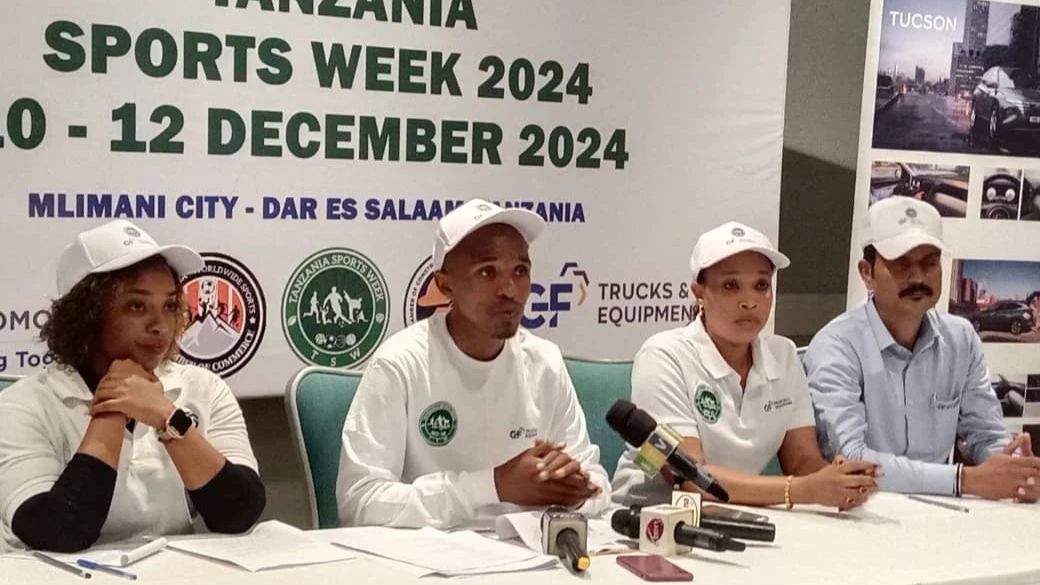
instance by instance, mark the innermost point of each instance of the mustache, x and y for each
(916, 288)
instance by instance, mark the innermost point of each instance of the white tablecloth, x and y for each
(891, 540)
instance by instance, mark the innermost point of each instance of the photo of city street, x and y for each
(943, 186)
(959, 76)
(1001, 298)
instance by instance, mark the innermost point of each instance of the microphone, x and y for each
(659, 446)
(712, 518)
(699, 537)
(655, 536)
(565, 534)
(760, 531)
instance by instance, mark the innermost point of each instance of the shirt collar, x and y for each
(762, 359)
(931, 329)
(926, 337)
(68, 384)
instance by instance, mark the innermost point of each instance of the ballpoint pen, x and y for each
(89, 564)
(946, 505)
(60, 565)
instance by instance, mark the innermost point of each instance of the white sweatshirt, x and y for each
(429, 424)
(42, 422)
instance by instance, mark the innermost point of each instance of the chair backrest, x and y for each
(773, 467)
(316, 401)
(599, 385)
(8, 379)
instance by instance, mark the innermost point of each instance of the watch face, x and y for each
(180, 421)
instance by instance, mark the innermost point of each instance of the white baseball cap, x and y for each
(114, 245)
(475, 214)
(896, 225)
(730, 239)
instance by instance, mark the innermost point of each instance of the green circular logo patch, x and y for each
(334, 308)
(438, 424)
(708, 404)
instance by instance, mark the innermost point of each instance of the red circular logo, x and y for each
(654, 530)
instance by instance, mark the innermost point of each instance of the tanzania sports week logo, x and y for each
(438, 424)
(708, 403)
(334, 308)
(423, 297)
(227, 316)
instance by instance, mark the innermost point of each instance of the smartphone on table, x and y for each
(654, 568)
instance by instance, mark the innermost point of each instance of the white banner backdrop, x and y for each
(951, 115)
(308, 147)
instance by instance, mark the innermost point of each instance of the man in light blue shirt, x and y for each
(895, 382)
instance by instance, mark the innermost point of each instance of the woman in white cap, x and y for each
(738, 396)
(114, 440)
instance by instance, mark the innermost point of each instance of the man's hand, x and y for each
(1022, 444)
(1006, 475)
(131, 390)
(543, 475)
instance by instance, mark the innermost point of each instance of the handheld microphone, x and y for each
(659, 446)
(663, 530)
(760, 531)
(565, 534)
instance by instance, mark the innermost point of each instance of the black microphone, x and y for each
(760, 531)
(626, 523)
(659, 446)
(699, 537)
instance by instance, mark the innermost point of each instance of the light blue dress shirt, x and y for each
(878, 401)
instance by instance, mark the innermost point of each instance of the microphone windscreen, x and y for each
(633, 424)
(625, 522)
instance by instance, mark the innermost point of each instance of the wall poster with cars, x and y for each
(951, 116)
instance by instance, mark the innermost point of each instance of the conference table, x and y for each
(890, 540)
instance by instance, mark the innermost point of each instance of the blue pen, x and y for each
(89, 564)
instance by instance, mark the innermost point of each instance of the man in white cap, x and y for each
(736, 394)
(115, 441)
(900, 384)
(464, 416)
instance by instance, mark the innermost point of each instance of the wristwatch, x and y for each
(177, 425)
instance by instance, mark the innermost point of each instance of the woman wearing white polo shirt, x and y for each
(114, 440)
(737, 395)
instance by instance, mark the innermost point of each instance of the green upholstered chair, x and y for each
(773, 467)
(316, 401)
(599, 384)
(8, 379)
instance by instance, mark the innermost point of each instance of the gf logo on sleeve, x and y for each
(523, 433)
(777, 404)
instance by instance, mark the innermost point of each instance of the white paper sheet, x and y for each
(527, 527)
(269, 545)
(440, 552)
(540, 562)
